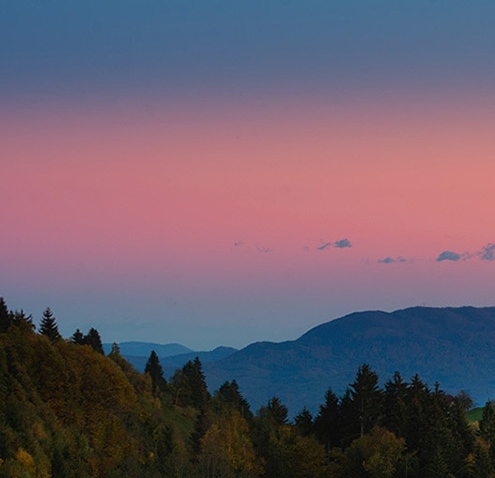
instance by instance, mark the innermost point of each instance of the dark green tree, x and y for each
(303, 422)
(229, 395)
(366, 398)
(278, 411)
(21, 320)
(154, 369)
(193, 384)
(5, 316)
(49, 327)
(395, 412)
(326, 426)
(77, 337)
(487, 429)
(93, 339)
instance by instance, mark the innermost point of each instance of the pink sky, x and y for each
(213, 215)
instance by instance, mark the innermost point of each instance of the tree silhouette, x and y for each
(92, 338)
(49, 327)
(5, 316)
(155, 371)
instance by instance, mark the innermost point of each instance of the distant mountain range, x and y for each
(454, 346)
(144, 349)
(172, 356)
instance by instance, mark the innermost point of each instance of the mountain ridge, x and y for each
(454, 345)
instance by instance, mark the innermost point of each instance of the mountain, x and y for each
(143, 349)
(454, 346)
(170, 364)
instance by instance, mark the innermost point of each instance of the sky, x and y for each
(220, 173)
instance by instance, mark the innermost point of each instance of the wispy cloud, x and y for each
(324, 246)
(263, 250)
(342, 243)
(392, 260)
(448, 256)
(487, 252)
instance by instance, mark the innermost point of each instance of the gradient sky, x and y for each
(218, 173)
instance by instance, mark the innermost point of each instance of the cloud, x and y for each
(324, 246)
(342, 243)
(448, 256)
(263, 250)
(392, 260)
(487, 252)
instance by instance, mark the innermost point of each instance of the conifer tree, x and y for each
(229, 395)
(93, 339)
(5, 316)
(304, 422)
(77, 337)
(194, 383)
(49, 327)
(278, 411)
(326, 424)
(395, 408)
(20, 319)
(366, 397)
(155, 371)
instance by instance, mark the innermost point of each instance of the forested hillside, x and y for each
(454, 346)
(67, 410)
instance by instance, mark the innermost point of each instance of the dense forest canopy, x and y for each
(67, 410)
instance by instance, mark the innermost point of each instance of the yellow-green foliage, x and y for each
(69, 411)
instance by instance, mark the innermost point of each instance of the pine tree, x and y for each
(326, 424)
(93, 339)
(5, 316)
(154, 369)
(278, 411)
(395, 408)
(367, 398)
(229, 395)
(21, 320)
(49, 327)
(77, 337)
(194, 383)
(304, 422)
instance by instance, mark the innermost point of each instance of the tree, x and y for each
(304, 422)
(395, 408)
(366, 398)
(77, 337)
(93, 339)
(278, 411)
(375, 455)
(191, 385)
(49, 327)
(229, 395)
(5, 316)
(21, 320)
(154, 369)
(226, 450)
(326, 426)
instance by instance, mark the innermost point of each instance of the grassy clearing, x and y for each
(475, 414)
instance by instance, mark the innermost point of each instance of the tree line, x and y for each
(67, 410)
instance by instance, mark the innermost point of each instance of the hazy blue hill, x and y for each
(170, 364)
(143, 349)
(454, 346)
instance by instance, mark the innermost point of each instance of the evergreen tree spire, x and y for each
(5, 316)
(93, 339)
(77, 337)
(49, 327)
(155, 371)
